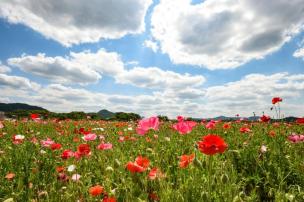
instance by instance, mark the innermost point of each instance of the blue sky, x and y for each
(195, 58)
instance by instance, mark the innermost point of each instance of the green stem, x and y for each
(210, 177)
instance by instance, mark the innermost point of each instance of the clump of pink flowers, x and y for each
(295, 138)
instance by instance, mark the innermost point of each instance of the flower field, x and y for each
(150, 160)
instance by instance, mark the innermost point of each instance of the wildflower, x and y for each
(212, 144)
(89, 137)
(140, 165)
(245, 130)
(67, 154)
(83, 150)
(71, 168)
(76, 177)
(276, 100)
(185, 160)
(10, 176)
(265, 118)
(226, 126)
(300, 121)
(145, 125)
(18, 139)
(55, 146)
(105, 146)
(155, 173)
(96, 190)
(184, 127)
(47, 143)
(272, 133)
(263, 149)
(34, 116)
(211, 124)
(109, 199)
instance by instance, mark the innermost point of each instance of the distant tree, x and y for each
(163, 118)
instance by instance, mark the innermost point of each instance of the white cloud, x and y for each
(151, 44)
(4, 68)
(299, 53)
(225, 33)
(154, 77)
(251, 93)
(87, 67)
(17, 82)
(83, 67)
(77, 21)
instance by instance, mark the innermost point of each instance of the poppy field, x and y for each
(151, 160)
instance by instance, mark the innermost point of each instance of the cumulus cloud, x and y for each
(17, 82)
(82, 68)
(226, 33)
(87, 67)
(299, 53)
(4, 68)
(153, 77)
(76, 21)
(151, 44)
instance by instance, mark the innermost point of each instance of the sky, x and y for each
(154, 57)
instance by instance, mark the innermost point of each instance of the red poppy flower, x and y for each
(265, 118)
(34, 116)
(96, 190)
(276, 100)
(55, 146)
(300, 121)
(109, 199)
(227, 126)
(67, 154)
(185, 160)
(245, 130)
(140, 165)
(84, 150)
(212, 144)
(60, 169)
(272, 133)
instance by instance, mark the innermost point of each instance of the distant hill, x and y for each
(10, 107)
(105, 114)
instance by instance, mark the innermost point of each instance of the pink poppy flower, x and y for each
(145, 125)
(211, 124)
(89, 137)
(1, 125)
(180, 118)
(184, 127)
(105, 146)
(47, 143)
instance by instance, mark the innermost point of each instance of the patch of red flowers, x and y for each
(300, 121)
(185, 160)
(276, 100)
(140, 165)
(212, 144)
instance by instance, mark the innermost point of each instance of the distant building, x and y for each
(2, 116)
